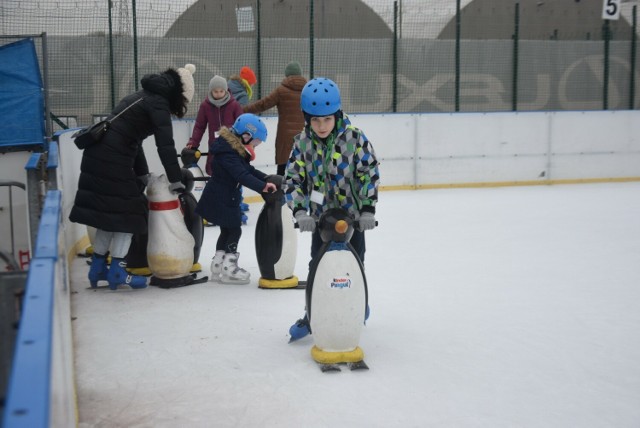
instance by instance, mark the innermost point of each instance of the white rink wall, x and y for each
(450, 150)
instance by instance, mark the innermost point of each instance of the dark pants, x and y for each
(281, 169)
(357, 241)
(228, 239)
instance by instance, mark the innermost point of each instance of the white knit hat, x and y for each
(186, 77)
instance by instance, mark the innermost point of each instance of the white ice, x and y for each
(495, 307)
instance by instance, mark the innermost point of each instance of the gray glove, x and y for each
(367, 221)
(176, 187)
(306, 223)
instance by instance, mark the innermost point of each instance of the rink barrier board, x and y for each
(415, 151)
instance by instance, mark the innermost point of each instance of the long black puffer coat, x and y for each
(220, 200)
(109, 195)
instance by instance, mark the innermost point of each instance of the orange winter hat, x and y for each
(247, 74)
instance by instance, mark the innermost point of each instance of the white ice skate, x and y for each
(216, 266)
(231, 273)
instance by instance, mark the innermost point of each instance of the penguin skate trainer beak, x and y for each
(341, 226)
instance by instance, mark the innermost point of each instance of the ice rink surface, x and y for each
(495, 307)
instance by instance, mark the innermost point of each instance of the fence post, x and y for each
(111, 66)
(632, 79)
(394, 102)
(135, 44)
(258, 51)
(457, 83)
(606, 35)
(45, 72)
(311, 46)
(516, 40)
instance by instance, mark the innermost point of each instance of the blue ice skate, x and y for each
(300, 329)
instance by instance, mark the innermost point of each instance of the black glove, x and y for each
(176, 188)
(275, 179)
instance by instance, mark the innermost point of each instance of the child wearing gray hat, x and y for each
(218, 109)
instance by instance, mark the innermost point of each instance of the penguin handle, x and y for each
(356, 223)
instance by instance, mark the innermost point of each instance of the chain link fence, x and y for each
(408, 56)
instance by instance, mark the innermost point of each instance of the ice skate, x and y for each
(231, 273)
(216, 266)
(300, 329)
(119, 276)
(98, 270)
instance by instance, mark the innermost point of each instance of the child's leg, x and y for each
(231, 273)
(118, 274)
(358, 243)
(99, 268)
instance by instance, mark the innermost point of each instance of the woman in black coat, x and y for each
(114, 171)
(221, 197)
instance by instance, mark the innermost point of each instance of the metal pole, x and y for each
(632, 79)
(457, 82)
(135, 44)
(45, 72)
(259, 51)
(514, 80)
(394, 102)
(605, 84)
(311, 46)
(111, 65)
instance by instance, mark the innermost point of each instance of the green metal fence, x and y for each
(386, 56)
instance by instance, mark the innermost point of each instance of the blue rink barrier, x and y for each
(40, 392)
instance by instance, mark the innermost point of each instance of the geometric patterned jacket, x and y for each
(343, 169)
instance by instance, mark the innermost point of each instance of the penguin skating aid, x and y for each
(276, 241)
(336, 295)
(171, 247)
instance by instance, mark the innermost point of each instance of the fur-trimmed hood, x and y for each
(234, 142)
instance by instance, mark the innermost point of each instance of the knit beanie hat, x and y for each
(218, 82)
(247, 74)
(293, 69)
(186, 78)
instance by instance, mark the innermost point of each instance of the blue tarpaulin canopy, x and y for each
(22, 121)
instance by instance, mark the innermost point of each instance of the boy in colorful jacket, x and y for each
(332, 165)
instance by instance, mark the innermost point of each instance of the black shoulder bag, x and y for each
(93, 134)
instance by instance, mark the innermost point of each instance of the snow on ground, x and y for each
(497, 307)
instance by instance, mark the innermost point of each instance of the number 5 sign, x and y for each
(611, 9)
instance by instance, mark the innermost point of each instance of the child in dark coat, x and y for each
(220, 200)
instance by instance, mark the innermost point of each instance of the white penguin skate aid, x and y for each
(336, 295)
(170, 247)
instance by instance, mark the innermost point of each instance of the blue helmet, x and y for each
(320, 97)
(250, 124)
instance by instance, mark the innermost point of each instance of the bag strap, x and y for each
(128, 107)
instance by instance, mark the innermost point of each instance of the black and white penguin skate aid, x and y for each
(276, 240)
(336, 296)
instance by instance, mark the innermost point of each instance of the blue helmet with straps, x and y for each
(320, 97)
(250, 124)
